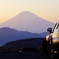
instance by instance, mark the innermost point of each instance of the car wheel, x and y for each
(52, 54)
(45, 47)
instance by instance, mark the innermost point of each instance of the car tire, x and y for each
(52, 54)
(44, 45)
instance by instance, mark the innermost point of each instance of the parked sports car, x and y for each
(51, 42)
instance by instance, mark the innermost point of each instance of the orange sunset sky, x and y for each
(46, 9)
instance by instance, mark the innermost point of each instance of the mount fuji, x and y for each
(27, 21)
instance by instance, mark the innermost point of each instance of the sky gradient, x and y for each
(46, 9)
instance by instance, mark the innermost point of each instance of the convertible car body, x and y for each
(51, 42)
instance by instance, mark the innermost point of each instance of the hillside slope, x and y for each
(8, 34)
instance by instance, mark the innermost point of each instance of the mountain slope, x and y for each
(27, 21)
(26, 43)
(8, 34)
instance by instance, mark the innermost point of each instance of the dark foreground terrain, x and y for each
(25, 55)
(35, 43)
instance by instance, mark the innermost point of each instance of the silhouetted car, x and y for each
(51, 42)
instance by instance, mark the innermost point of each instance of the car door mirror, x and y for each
(49, 30)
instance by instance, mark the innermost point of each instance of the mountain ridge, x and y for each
(9, 34)
(27, 21)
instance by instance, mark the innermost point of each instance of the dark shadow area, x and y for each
(56, 56)
(24, 49)
(24, 55)
(29, 49)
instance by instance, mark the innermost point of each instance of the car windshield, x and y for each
(58, 26)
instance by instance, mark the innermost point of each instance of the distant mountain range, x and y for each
(27, 21)
(23, 26)
(8, 34)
